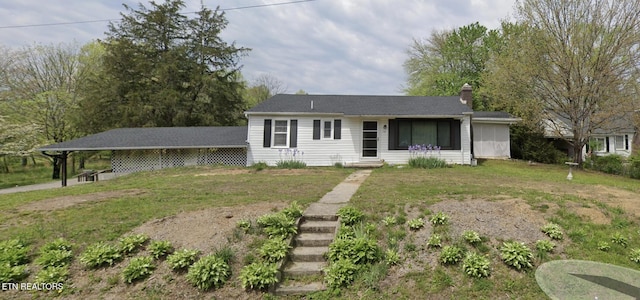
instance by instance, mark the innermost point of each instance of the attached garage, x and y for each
(491, 134)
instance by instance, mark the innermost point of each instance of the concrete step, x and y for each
(308, 254)
(314, 239)
(297, 269)
(299, 289)
(318, 226)
(321, 217)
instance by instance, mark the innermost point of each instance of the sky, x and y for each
(354, 47)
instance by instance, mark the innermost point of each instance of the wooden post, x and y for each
(64, 168)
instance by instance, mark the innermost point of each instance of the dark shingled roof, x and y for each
(157, 138)
(353, 105)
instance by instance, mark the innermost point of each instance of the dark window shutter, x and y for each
(626, 142)
(456, 137)
(606, 141)
(316, 129)
(337, 129)
(267, 134)
(293, 134)
(393, 134)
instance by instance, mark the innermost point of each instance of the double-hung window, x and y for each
(598, 144)
(327, 129)
(280, 133)
(622, 142)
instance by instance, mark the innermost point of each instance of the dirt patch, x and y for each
(224, 172)
(627, 200)
(67, 201)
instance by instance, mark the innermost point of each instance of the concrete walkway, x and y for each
(331, 202)
(53, 184)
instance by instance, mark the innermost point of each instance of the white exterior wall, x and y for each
(327, 152)
(613, 147)
(491, 140)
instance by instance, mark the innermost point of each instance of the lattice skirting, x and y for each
(128, 161)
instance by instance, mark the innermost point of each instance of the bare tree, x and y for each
(264, 87)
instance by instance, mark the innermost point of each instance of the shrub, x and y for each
(100, 254)
(132, 243)
(544, 245)
(182, 259)
(391, 257)
(274, 250)
(138, 268)
(552, 230)
(291, 164)
(389, 221)
(634, 255)
(53, 275)
(516, 255)
(476, 265)
(10, 273)
(619, 239)
(57, 244)
(434, 241)
(259, 275)
(359, 250)
(259, 166)
(278, 225)
(350, 215)
(415, 224)
(451, 255)
(225, 253)
(245, 225)
(340, 273)
(427, 162)
(471, 237)
(209, 271)
(54, 258)
(160, 249)
(439, 218)
(13, 252)
(633, 169)
(604, 246)
(293, 211)
(611, 164)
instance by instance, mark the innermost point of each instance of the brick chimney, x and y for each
(466, 95)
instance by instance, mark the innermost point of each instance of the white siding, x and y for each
(491, 140)
(613, 147)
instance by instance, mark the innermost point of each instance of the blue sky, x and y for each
(321, 46)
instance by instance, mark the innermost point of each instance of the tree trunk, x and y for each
(81, 162)
(56, 167)
(24, 161)
(577, 151)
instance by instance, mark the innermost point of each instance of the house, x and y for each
(329, 129)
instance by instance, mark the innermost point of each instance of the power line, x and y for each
(110, 20)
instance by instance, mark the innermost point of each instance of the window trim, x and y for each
(320, 132)
(327, 135)
(602, 143)
(623, 145)
(286, 133)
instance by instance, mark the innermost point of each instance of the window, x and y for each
(598, 144)
(406, 132)
(280, 132)
(285, 133)
(327, 129)
(622, 142)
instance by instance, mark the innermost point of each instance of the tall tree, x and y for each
(161, 68)
(576, 60)
(264, 87)
(440, 65)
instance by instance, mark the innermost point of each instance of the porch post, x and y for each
(64, 168)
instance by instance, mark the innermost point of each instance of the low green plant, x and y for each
(350, 215)
(13, 252)
(182, 259)
(160, 249)
(439, 218)
(545, 245)
(603, 246)
(57, 244)
(476, 265)
(293, 211)
(415, 224)
(245, 225)
(274, 250)
(54, 258)
(634, 255)
(259, 275)
(340, 273)
(100, 254)
(619, 239)
(427, 162)
(391, 257)
(434, 241)
(57, 274)
(471, 237)
(359, 250)
(278, 225)
(10, 273)
(210, 271)
(516, 255)
(138, 268)
(389, 221)
(225, 253)
(132, 243)
(553, 230)
(291, 164)
(451, 255)
(259, 166)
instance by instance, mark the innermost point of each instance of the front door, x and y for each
(370, 139)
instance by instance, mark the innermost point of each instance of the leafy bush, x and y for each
(391, 257)
(439, 218)
(340, 273)
(427, 162)
(516, 255)
(350, 215)
(604, 246)
(278, 225)
(13, 252)
(293, 211)
(160, 249)
(10, 273)
(389, 221)
(476, 265)
(291, 164)
(471, 237)
(132, 243)
(544, 245)
(182, 259)
(611, 164)
(53, 274)
(619, 239)
(100, 254)
(259, 166)
(359, 250)
(57, 244)
(552, 230)
(634, 255)
(209, 271)
(434, 241)
(633, 169)
(138, 268)
(259, 275)
(245, 225)
(529, 143)
(54, 258)
(451, 255)
(415, 224)
(274, 250)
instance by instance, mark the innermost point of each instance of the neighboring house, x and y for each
(329, 129)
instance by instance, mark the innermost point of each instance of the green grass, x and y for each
(41, 171)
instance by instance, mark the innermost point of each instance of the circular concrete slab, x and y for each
(579, 279)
